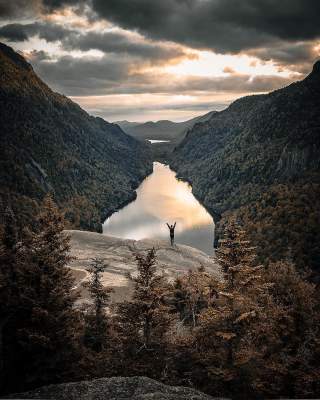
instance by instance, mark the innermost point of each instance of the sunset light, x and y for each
(159, 199)
(110, 66)
(218, 65)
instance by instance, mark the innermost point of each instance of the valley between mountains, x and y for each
(49, 144)
(258, 160)
(107, 262)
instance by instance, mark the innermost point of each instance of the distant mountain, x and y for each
(127, 124)
(259, 159)
(49, 144)
(162, 130)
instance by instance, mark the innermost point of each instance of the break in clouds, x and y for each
(170, 57)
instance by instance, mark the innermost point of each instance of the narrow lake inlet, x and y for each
(162, 198)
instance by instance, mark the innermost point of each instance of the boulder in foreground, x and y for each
(117, 388)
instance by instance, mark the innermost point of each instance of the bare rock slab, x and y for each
(117, 388)
(119, 256)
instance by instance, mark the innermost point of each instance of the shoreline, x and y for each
(104, 214)
(213, 214)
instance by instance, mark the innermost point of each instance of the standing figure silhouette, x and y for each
(171, 229)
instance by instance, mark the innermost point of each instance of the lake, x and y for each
(162, 198)
(155, 141)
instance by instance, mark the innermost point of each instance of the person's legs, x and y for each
(172, 240)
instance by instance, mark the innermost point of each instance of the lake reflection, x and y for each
(162, 198)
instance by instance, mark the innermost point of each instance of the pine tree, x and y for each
(288, 337)
(226, 328)
(192, 293)
(48, 330)
(147, 306)
(10, 234)
(95, 315)
(144, 321)
(10, 293)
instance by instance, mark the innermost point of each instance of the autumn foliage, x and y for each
(253, 333)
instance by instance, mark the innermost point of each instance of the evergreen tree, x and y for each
(95, 316)
(45, 332)
(288, 337)
(260, 336)
(144, 321)
(9, 292)
(193, 292)
(228, 325)
(10, 234)
(54, 319)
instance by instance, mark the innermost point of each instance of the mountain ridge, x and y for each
(162, 129)
(50, 144)
(262, 149)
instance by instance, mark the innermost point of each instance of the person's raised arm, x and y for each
(168, 225)
(174, 225)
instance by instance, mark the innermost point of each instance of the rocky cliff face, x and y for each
(256, 143)
(48, 143)
(133, 388)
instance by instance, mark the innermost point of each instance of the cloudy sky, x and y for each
(163, 59)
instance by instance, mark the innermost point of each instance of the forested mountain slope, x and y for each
(259, 159)
(48, 143)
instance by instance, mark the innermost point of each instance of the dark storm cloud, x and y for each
(275, 30)
(221, 25)
(22, 32)
(52, 5)
(107, 42)
(114, 75)
(114, 42)
(297, 56)
(14, 33)
(80, 76)
(18, 8)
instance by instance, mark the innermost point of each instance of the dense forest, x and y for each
(253, 334)
(259, 160)
(49, 144)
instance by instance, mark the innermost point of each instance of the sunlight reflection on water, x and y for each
(162, 198)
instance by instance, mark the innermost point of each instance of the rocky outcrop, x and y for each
(117, 388)
(119, 256)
